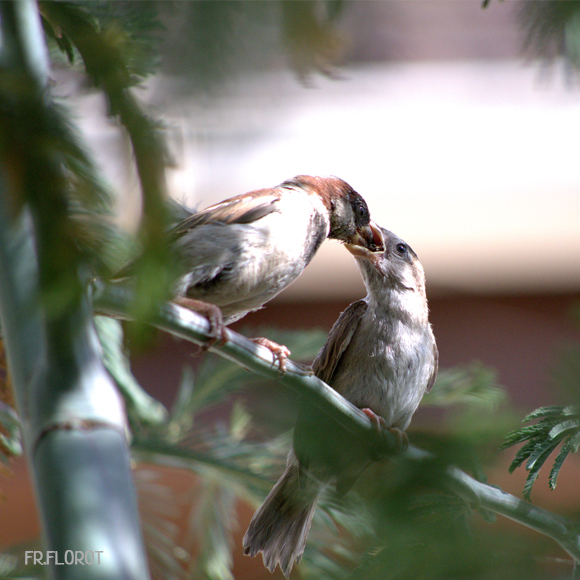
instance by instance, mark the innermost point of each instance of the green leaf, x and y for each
(569, 447)
(211, 525)
(159, 508)
(527, 492)
(564, 429)
(524, 434)
(551, 30)
(556, 425)
(541, 452)
(559, 461)
(522, 455)
(140, 405)
(553, 411)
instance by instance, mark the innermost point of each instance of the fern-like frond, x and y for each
(215, 377)
(570, 447)
(552, 29)
(115, 60)
(132, 30)
(159, 508)
(530, 480)
(522, 455)
(556, 426)
(524, 434)
(543, 412)
(542, 449)
(212, 515)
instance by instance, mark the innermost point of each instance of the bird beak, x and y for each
(366, 241)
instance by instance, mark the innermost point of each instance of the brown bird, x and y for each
(381, 356)
(240, 253)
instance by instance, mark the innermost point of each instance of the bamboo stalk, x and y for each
(73, 417)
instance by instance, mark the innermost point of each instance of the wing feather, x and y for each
(242, 209)
(433, 376)
(314, 429)
(327, 360)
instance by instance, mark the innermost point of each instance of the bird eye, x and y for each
(401, 248)
(362, 212)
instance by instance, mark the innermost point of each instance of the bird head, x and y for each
(348, 212)
(394, 271)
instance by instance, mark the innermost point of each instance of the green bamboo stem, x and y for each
(73, 417)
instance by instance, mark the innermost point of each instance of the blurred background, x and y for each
(460, 140)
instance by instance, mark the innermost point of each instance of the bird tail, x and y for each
(281, 524)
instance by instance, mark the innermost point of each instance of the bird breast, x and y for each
(239, 267)
(391, 381)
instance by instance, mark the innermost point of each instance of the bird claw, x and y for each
(380, 425)
(402, 439)
(279, 351)
(217, 334)
(377, 421)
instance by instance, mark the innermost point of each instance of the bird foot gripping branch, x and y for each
(279, 351)
(217, 331)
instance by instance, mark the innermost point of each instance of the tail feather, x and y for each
(280, 526)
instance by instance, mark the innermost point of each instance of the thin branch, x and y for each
(564, 531)
(194, 328)
(116, 301)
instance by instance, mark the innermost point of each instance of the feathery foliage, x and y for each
(552, 29)
(555, 426)
(228, 462)
(118, 44)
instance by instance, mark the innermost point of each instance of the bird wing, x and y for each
(242, 209)
(314, 431)
(433, 376)
(326, 363)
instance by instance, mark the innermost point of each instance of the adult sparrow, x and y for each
(381, 356)
(240, 253)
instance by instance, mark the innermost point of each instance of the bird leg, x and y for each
(402, 439)
(380, 425)
(217, 331)
(280, 352)
(377, 421)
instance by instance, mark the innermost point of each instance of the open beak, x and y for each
(367, 240)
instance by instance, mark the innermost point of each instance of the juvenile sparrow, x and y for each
(240, 253)
(381, 356)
